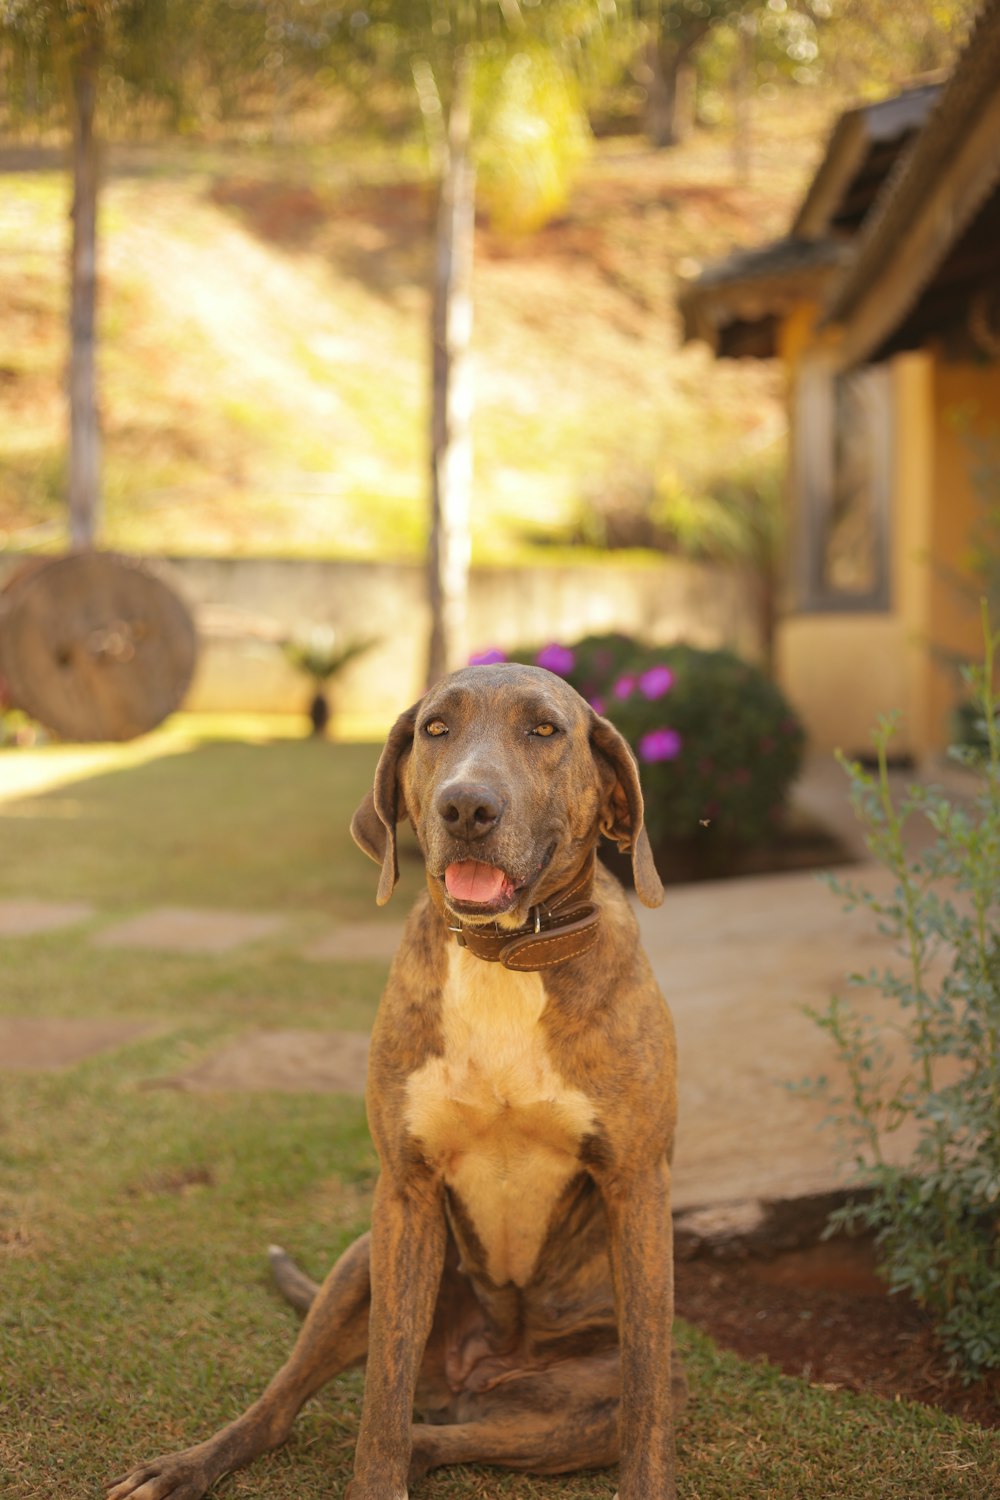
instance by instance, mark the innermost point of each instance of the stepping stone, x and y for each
(175, 929)
(291, 1062)
(30, 1045)
(22, 918)
(363, 940)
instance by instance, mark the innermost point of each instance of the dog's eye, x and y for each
(545, 731)
(436, 727)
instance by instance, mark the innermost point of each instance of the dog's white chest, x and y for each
(494, 1116)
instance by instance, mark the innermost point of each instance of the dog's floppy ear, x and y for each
(373, 827)
(621, 812)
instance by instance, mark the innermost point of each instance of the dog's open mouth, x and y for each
(477, 886)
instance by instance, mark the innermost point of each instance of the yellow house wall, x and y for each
(911, 523)
(844, 670)
(966, 405)
(841, 672)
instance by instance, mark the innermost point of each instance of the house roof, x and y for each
(930, 205)
(862, 149)
(736, 304)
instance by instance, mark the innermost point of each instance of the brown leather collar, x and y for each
(562, 927)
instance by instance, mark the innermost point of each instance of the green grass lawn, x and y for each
(136, 1313)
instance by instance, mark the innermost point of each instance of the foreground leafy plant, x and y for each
(935, 1206)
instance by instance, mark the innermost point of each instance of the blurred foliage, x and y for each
(871, 47)
(186, 65)
(729, 510)
(532, 135)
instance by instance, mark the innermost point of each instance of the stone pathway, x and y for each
(737, 960)
(25, 918)
(290, 1062)
(365, 940)
(29, 1044)
(175, 929)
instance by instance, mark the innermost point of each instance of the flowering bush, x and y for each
(717, 743)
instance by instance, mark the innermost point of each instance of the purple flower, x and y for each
(556, 658)
(487, 658)
(624, 687)
(660, 744)
(597, 704)
(655, 682)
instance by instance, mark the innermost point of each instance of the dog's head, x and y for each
(509, 778)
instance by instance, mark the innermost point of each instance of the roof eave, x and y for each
(911, 229)
(707, 310)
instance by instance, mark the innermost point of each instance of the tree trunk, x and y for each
(451, 395)
(84, 436)
(745, 77)
(670, 92)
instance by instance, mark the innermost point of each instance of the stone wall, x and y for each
(243, 605)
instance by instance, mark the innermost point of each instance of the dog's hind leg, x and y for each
(550, 1421)
(333, 1337)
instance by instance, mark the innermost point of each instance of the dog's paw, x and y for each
(175, 1476)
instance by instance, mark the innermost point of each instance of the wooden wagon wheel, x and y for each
(94, 646)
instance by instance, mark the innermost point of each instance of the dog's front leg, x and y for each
(407, 1258)
(641, 1241)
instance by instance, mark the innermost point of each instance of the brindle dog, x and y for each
(516, 1288)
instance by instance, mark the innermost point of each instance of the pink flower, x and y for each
(597, 704)
(487, 658)
(656, 681)
(624, 687)
(556, 658)
(660, 744)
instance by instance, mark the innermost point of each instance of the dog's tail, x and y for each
(294, 1285)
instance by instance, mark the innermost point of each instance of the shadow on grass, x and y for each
(224, 824)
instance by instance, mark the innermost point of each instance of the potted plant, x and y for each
(321, 653)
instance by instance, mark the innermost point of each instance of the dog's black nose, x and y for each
(468, 810)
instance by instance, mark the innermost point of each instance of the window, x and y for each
(841, 487)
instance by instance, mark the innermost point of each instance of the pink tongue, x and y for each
(473, 881)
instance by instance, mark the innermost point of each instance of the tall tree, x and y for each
(673, 30)
(491, 80)
(63, 53)
(73, 45)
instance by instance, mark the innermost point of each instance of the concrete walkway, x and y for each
(738, 961)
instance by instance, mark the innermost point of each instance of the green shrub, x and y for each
(936, 1216)
(717, 742)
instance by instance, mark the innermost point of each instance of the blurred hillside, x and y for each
(264, 361)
